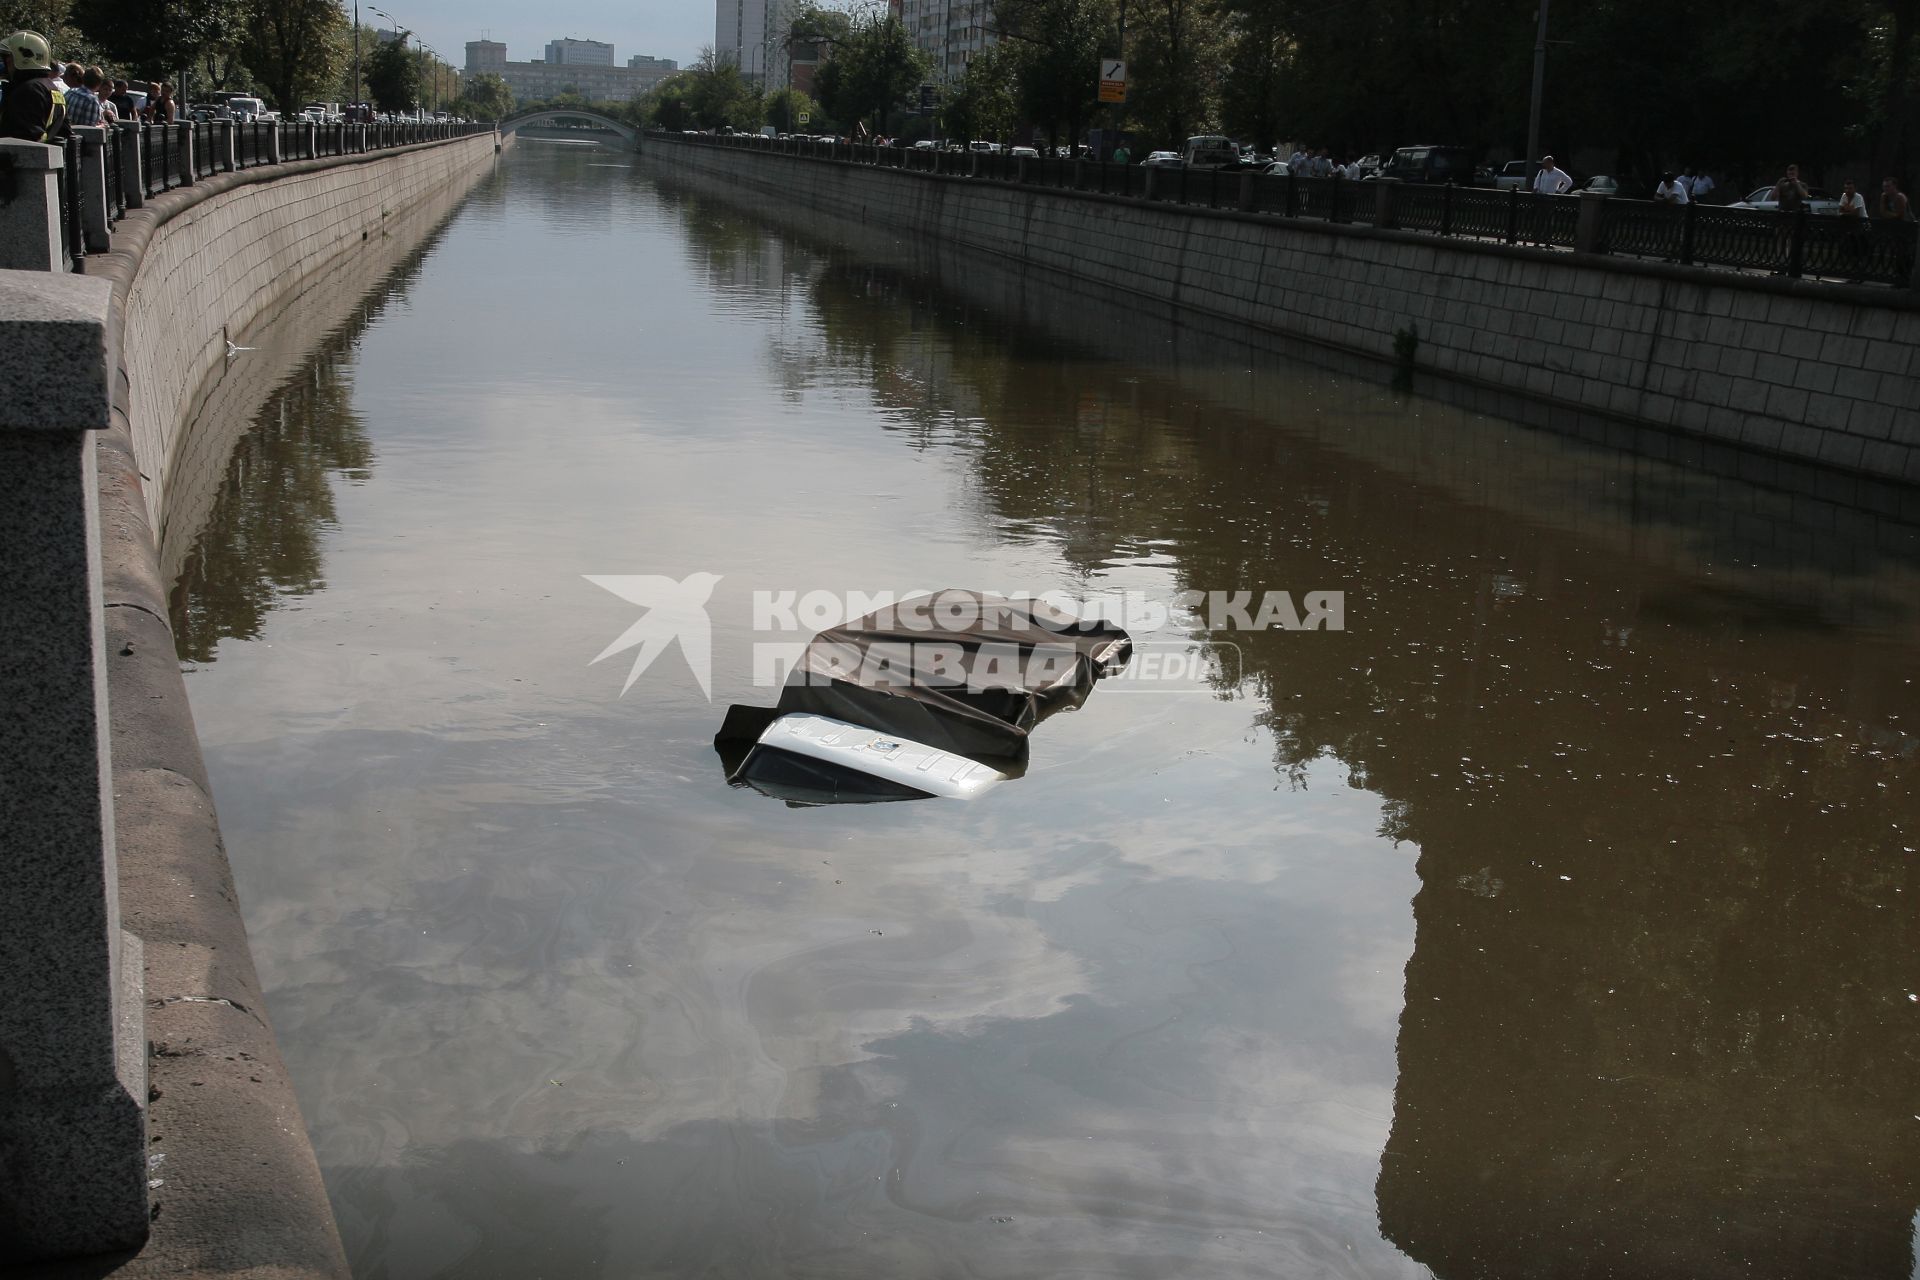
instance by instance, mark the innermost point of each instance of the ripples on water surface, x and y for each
(1556, 918)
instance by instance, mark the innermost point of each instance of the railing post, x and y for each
(72, 1033)
(1020, 169)
(1149, 177)
(133, 178)
(1446, 210)
(1590, 224)
(276, 151)
(95, 217)
(1245, 202)
(29, 241)
(224, 140)
(1383, 212)
(1513, 215)
(1797, 245)
(1686, 233)
(183, 137)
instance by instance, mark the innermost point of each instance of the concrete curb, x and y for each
(239, 1192)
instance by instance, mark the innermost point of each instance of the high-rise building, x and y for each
(579, 53)
(952, 31)
(752, 35)
(585, 67)
(486, 55)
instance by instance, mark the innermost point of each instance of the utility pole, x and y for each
(356, 54)
(1539, 89)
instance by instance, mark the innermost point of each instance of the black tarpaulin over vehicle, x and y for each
(957, 671)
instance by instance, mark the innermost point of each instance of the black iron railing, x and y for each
(113, 157)
(217, 146)
(1802, 244)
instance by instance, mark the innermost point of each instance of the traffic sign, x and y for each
(1113, 80)
(803, 117)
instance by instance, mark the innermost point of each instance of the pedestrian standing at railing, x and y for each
(122, 101)
(83, 104)
(1551, 180)
(164, 111)
(1892, 205)
(1699, 186)
(1790, 196)
(99, 86)
(1853, 214)
(1671, 190)
(33, 109)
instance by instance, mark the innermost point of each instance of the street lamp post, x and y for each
(356, 57)
(399, 33)
(1539, 88)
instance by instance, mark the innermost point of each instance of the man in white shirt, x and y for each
(1551, 180)
(1671, 190)
(1700, 187)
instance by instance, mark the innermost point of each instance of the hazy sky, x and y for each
(664, 28)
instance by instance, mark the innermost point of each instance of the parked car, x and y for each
(1164, 160)
(926, 144)
(1819, 200)
(1031, 153)
(985, 148)
(1513, 176)
(1211, 151)
(1432, 164)
(1277, 168)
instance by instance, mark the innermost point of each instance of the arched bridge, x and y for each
(558, 122)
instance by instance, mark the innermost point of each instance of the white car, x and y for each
(1819, 200)
(1164, 160)
(1029, 152)
(1278, 169)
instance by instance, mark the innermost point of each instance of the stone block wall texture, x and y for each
(239, 1193)
(1818, 372)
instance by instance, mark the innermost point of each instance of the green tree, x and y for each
(784, 107)
(983, 106)
(873, 70)
(1175, 50)
(393, 77)
(1055, 47)
(294, 47)
(1259, 47)
(159, 38)
(52, 19)
(486, 97)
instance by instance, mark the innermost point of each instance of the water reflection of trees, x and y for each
(1657, 1020)
(262, 543)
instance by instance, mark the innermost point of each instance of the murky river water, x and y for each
(1558, 917)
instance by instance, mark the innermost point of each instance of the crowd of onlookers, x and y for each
(42, 100)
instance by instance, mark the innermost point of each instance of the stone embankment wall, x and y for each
(1818, 372)
(239, 1192)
